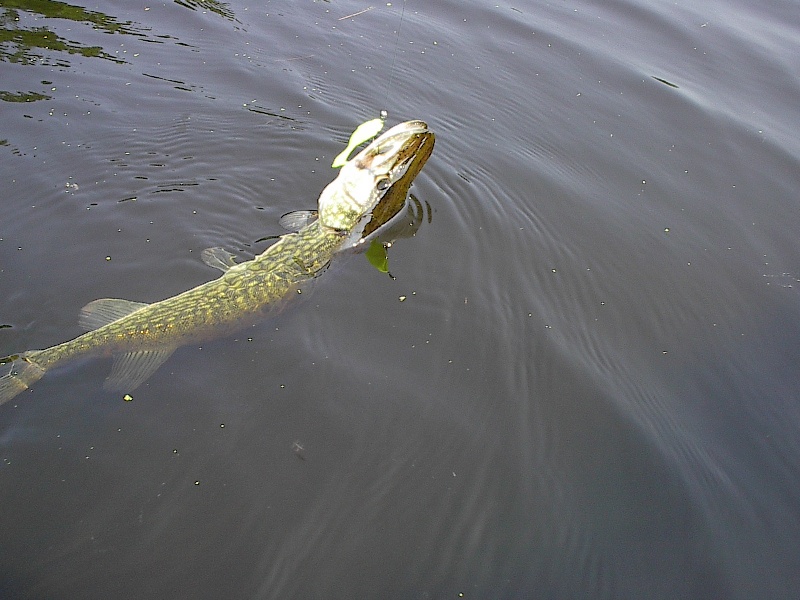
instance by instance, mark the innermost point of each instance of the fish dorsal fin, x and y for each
(106, 310)
(219, 258)
(132, 369)
(296, 220)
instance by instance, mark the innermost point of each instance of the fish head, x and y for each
(365, 179)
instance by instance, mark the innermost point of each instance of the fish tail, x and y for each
(24, 373)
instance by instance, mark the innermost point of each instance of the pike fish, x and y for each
(142, 336)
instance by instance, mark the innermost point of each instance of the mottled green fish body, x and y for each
(142, 336)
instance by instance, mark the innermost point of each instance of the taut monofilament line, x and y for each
(396, 46)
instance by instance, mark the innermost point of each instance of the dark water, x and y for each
(591, 389)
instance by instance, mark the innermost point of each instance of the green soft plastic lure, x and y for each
(364, 132)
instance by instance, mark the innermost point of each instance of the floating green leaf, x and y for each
(377, 256)
(362, 133)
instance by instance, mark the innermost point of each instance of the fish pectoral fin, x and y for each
(132, 369)
(297, 219)
(106, 310)
(219, 258)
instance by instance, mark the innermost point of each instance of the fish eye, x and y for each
(382, 184)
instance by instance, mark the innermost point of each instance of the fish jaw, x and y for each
(364, 179)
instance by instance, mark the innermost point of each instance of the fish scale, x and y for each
(199, 313)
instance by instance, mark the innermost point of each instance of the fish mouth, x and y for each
(392, 148)
(413, 144)
(365, 179)
(390, 153)
(394, 200)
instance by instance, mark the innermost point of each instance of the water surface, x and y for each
(590, 388)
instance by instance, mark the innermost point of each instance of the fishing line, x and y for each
(384, 112)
